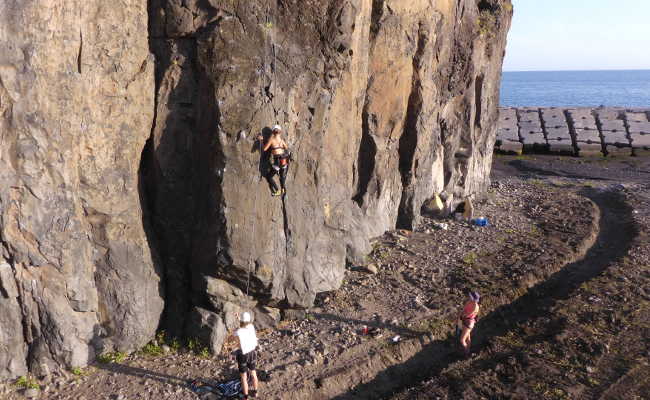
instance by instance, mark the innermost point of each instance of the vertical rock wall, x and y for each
(384, 104)
(112, 203)
(76, 107)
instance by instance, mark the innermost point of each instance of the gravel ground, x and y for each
(543, 214)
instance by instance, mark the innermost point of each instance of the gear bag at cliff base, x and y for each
(227, 390)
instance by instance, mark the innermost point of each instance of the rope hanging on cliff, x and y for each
(250, 259)
(263, 93)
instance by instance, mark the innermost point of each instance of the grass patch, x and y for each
(204, 352)
(78, 371)
(152, 349)
(155, 347)
(486, 24)
(557, 394)
(593, 382)
(27, 382)
(193, 344)
(470, 258)
(112, 357)
(198, 348)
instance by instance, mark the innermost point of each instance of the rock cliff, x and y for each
(124, 190)
(383, 103)
(76, 107)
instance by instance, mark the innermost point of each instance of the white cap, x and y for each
(245, 317)
(277, 128)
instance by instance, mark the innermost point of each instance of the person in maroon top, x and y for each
(467, 320)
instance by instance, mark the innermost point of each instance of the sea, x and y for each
(624, 88)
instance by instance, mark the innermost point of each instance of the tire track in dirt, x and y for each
(614, 235)
(616, 232)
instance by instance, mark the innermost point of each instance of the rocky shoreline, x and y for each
(576, 131)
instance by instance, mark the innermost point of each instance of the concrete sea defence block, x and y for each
(558, 133)
(553, 117)
(562, 146)
(639, 127)
(588, 142)
(507, 114)
(582, 118)
(508, 146)
(535, 139)
(508, 124)
(636, 116)
(616, 143)
(617, 138)
(508, 134)
(616, 125)
(587, 136)
(528, 127)
(640, 141)
(590, 148)
(610, 113)
(529, 116)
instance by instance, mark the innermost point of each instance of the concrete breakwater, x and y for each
(577, 131)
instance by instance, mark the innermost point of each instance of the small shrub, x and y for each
(175, 345)
(204, 353)
(593, 382)
(486, 24)
(112, 357)
(192, 344)
(27, 382)
(152, 349)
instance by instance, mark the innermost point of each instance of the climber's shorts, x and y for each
(246, 362)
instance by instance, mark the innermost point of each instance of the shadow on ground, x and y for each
(616, 231)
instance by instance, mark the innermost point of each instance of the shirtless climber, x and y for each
(280, 161)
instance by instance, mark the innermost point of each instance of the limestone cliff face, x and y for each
(126, 189)
(76, 107)
(384, 104)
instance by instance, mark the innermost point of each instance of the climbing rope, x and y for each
(268, 25)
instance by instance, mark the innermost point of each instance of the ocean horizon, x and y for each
(594, 88)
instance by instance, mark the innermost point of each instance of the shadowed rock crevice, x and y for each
(478, 98)
(375, 18)
(408, 165)
(366, 156)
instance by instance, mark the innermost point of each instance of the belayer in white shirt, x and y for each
(247, 354)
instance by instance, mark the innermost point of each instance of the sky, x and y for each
(558, 35)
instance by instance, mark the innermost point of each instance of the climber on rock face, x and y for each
(280, 159)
